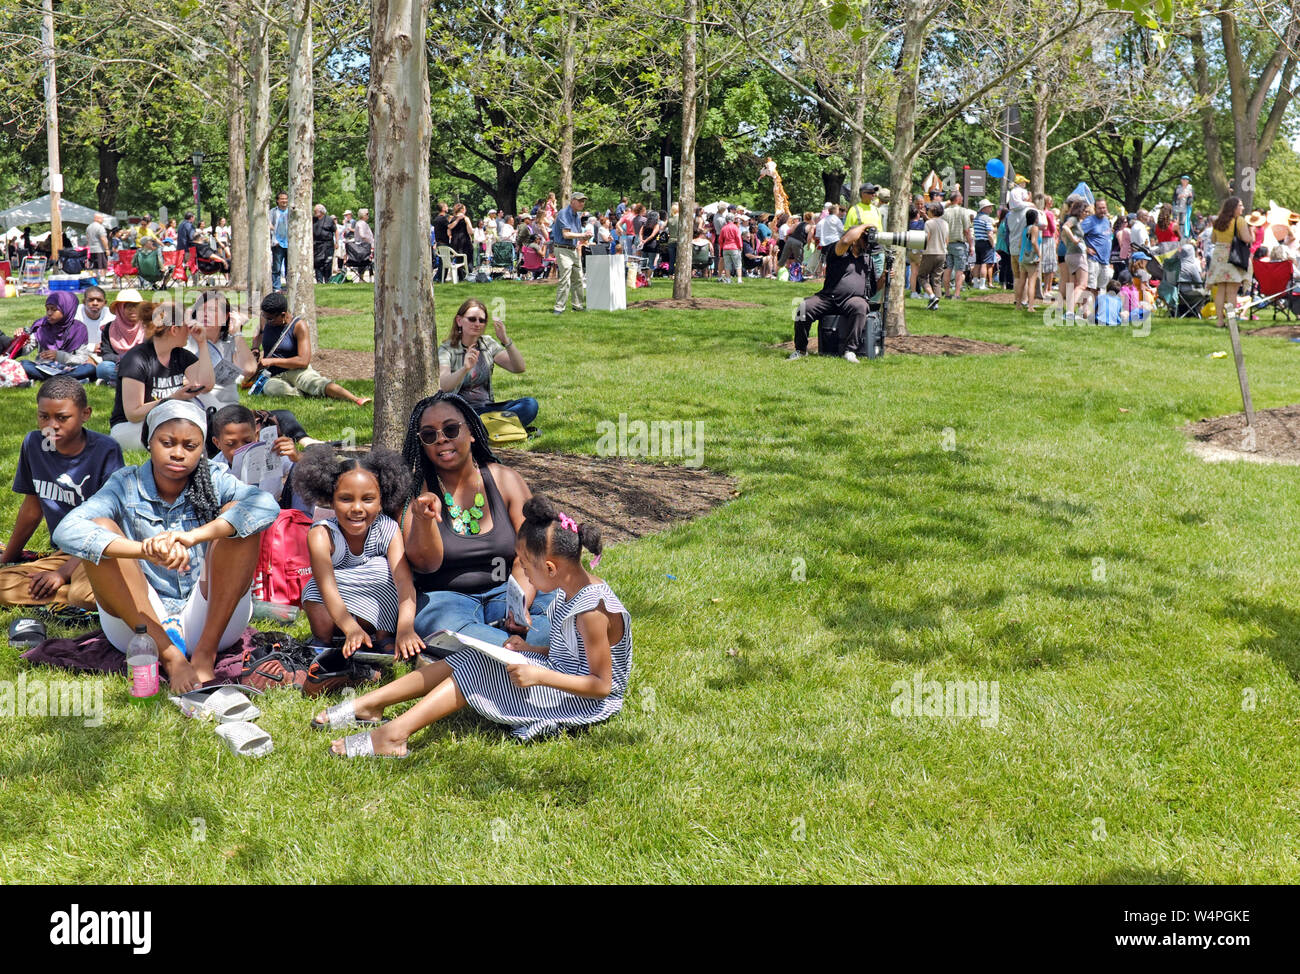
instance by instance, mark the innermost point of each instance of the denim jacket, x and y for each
(130, 499)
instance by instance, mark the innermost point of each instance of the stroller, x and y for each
(360, 260)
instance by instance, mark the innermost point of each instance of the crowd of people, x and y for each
(402, 546)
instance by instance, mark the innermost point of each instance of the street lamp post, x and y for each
(197, 159)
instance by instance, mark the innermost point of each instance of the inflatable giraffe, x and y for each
(782, 201)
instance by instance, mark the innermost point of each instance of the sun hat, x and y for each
(884, 193)
(1256, 220)
(129, 296)
(1022, 179)
(171, 409)
(985, 202)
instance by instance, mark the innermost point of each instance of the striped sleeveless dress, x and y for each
(531, 711)
(364, 581)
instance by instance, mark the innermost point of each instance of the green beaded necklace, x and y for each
(464, 520)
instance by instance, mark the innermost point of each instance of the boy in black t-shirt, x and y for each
(61, 465)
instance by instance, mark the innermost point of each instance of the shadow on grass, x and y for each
(1280, 637)
(1139, 876)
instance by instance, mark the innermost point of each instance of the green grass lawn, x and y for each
(1031, 520)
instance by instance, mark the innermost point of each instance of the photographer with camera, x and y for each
(843, 292)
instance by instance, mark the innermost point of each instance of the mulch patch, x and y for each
(625, 498)
(926, 345)
(329, 312)
(344, 363)
(689, 304)
(1275, 331)
(1277, 435)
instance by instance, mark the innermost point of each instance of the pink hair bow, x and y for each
(568, 523)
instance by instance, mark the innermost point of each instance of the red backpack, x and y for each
(283, 564)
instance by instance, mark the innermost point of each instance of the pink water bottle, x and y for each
(142, 659)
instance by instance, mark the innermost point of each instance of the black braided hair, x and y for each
(543, 535)
(202, 494)
(422, 469)
(317, 473)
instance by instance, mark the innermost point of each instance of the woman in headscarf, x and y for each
(60, 339)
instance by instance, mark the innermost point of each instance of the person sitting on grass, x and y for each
(61, 465)
(361, 585)
(175, 539)
(124, 332)
(466, 358)
(460, 527)
(62, 345)
(285, 352)
(159, 370)
(235, 426)
(580, 678)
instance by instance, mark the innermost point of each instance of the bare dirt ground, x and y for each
(1277, 436)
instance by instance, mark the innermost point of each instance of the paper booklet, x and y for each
(516, 605)
(446, 642)
(256, 464)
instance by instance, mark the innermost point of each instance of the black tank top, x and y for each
(276, 344)
(469, 560)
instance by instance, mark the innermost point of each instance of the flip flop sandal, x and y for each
(26, 632)
(245, 739)
(361, 746)
(225, 704)
(342, 715)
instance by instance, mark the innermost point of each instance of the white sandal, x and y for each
(224, 704)
(245, 739)
(342, 715)
(361, 746)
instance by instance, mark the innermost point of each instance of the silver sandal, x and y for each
(342, 715)
(361, 746)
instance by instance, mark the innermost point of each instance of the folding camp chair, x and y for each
(175, 261)
(360, 258)
(123, 268)
(531, 264)
(503, 257)
(33, 273)
(1182, 300)
(1274, 279)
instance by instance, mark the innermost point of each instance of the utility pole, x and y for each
(52, 133)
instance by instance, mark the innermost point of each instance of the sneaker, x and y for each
(934, 304)
(850, 357)
(557, 311)
(796, 354)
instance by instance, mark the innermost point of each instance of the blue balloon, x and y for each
(995, 168)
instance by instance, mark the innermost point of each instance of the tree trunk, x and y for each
(1038, 138)
(859, 119)
(686, 194)
(107, 187)
(1209, 129)
(258, 181)
(900, 163)
(406, 338)
(237, 164)
(832, 184)
(567, 84)
(301, 284)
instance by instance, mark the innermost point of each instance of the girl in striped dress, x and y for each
(361, 584)
(580, 678)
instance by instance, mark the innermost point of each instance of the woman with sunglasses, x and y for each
(466, 358)
(460, 529)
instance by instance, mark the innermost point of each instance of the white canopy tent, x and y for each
(38, 211)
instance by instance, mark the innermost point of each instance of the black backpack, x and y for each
(71, 261)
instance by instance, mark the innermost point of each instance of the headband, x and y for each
(175, 409)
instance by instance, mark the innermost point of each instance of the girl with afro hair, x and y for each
(361, 585)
